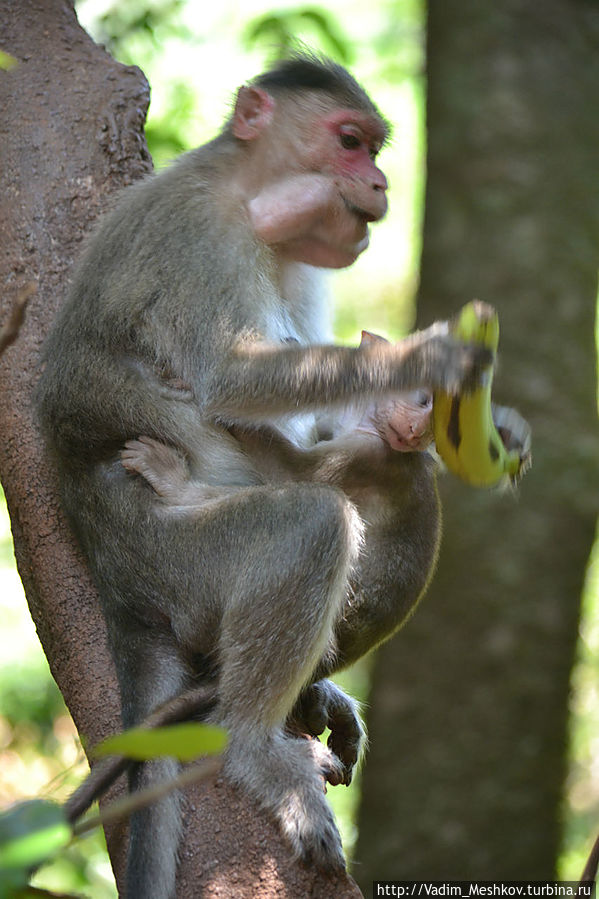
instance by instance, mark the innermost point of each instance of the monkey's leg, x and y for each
(284, 569)
(398, 559)
(401, 538)
(255, 582)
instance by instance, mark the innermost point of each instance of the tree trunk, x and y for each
(72, 134)
(469, 705)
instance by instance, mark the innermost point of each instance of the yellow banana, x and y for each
(466, 426)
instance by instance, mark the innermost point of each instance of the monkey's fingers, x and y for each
(162, 466)
(347, 737)
(347, 748)
(443, 360)
(311, 714)
(335, 774)
(323, 704)
(133, 456)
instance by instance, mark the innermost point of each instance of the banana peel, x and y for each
(483, 444)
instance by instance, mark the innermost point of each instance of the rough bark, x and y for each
(470, 703)
(71, 122)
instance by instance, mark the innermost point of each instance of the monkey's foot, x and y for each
(445, 362)
(324, 704)
(314, 838)
(161, 465)
(331, 767)
(284, 774)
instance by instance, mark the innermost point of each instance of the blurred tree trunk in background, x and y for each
(469, 703)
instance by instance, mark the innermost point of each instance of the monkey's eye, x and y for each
(349, 140)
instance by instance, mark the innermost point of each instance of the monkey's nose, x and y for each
(380, 181)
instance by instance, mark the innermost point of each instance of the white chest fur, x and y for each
(299, 315)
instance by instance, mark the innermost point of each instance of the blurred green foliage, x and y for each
(30, 703)
(30, 833)
(124, 25)
(7, 61)
(166, 135)
(277, 31)
(184, 741)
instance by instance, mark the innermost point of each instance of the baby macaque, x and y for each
(403, 423)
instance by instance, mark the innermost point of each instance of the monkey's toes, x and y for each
(330, 766)
(324, 850)
(335, 772)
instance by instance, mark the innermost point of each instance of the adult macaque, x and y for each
(196, 315)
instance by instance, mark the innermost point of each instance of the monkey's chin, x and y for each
(341, 257)
(323, 255)
(344, 256)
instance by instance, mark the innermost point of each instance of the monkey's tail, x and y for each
(196, 702)
(150, 672)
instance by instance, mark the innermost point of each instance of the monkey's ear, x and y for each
(253, 112)
(369, 339)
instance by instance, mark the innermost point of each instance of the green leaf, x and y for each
(30, 833)
(181, 741)
(7, 61)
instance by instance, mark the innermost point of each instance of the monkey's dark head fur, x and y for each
(304, 71)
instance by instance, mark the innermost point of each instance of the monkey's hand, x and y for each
(323, 705)
(439, 360)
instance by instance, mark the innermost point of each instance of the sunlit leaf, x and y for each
(181, 741)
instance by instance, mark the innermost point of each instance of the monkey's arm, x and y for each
(254, 382)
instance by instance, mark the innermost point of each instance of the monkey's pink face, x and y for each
(351, 144)
(343, 148)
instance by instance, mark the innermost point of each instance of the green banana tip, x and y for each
(477, 322)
